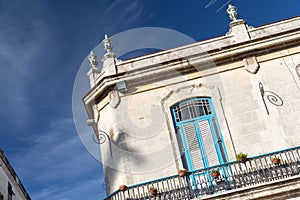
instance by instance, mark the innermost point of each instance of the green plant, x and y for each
(215, 173)
(151, 187)
(241, 157)
(276, 160)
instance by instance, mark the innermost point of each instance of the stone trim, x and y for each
(191, 91)
(251, 64)
(220, 57)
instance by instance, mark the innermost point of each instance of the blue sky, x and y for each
(42, 45)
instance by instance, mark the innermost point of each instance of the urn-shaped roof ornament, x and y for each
(107, 44)
(93, 60)
(232, 12)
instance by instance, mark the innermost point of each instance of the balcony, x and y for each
(233, 177)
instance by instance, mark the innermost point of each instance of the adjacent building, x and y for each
(11, 187)
(196, 107)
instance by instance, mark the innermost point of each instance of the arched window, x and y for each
(198, 133)
(192, 109)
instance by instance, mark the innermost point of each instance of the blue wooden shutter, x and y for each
(193, 146)
(208, 143)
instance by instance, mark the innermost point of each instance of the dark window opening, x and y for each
(9, 192)
(1, 196)
(192, 109)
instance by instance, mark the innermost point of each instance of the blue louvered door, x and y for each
(198, 134)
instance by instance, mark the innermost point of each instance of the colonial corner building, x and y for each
(198, 107)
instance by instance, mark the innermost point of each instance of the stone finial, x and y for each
(232, 12)
(107, 44)
(109, 59)
(93, 60)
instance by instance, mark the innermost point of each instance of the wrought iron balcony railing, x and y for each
(232, 175)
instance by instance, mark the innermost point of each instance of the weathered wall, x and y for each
(143, 144)
(253, 130)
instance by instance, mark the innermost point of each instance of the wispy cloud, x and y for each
(21, 45)
(123, 14)
(111, 6)
(57, 164)
(80, 190)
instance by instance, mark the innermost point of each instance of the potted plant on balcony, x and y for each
(153, 190)
(242, 157)
(123, 188)
(182, 172)
(276, 160)
(215, 173)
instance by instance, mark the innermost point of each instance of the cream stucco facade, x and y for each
(233, 70)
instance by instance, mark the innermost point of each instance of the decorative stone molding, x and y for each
(237, 22)
(232, 12)
(297, 68)
(239, 31)
(180, 94)
(107, 44)
(96, 113)
(189, 91)
(93, 60)
(109, 64)
(94, 74)
(109, 60)
(114, 99)
(251, 64)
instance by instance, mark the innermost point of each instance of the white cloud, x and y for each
(123, 14)
(58, 164)
(89, 189)
(21, 45)
(112, 6)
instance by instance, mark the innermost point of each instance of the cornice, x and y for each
(184, 65)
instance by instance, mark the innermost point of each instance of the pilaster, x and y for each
(109, 64)
(239, 31)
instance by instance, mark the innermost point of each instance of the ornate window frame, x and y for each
(189, 92)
